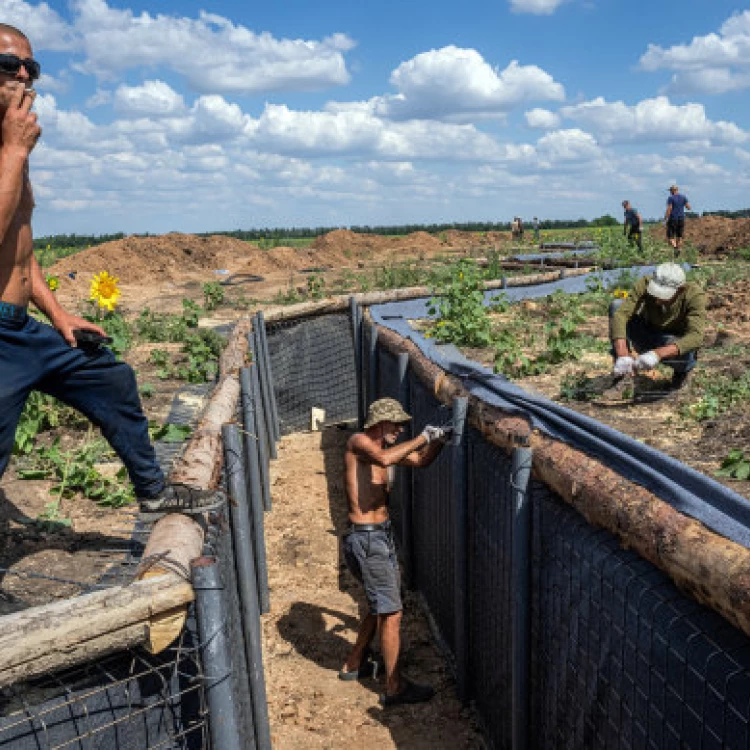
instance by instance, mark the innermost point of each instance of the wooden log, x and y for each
(89, 651)
(200, 464)
(341, 302)
(707, 567)
(43, 639)
(234, 356)
(175, 541)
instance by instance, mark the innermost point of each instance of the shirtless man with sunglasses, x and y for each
(37, 356)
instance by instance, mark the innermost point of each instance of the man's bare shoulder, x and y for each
(363, 448)
(357, 441)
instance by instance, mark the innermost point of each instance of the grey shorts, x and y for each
(371, 557)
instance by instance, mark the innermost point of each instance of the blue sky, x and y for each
(193, 116)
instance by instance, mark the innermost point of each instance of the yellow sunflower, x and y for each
(53, 282)
(621, 293)
(104, 290)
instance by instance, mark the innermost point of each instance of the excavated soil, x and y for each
(713, 235)
(157, 272)
(315, 609)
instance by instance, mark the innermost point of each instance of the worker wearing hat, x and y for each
(368, 543)
(675, 217)
(664, 319)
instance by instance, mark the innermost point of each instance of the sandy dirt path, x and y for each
(315, 605)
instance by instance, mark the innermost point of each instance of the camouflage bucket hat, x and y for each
(385, 410)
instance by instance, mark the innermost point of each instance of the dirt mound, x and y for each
(351, 245)
(178, 258)
(468, 240)
(714, 235)
(170, 257)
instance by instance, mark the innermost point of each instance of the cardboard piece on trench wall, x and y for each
(317, 418)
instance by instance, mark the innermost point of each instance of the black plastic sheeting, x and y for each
(687, 490)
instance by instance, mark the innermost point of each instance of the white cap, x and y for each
(668, 278)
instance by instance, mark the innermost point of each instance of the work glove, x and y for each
(623, 366)
(432, 434)
(647, 361)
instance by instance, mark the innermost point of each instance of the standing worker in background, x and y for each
(369, 550)
(675, 218)
(515, 228)
(535, 225)
(38, 356)
(633, 227)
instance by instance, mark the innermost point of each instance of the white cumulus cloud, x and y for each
(542, 118)
(713, 64)
(652, 120)
(358, 132)
(42, 25)
(537, 7)
(452, 82)
(213, 54)
(568, 145)
(152, 98)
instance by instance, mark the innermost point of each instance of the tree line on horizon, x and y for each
(275, 234)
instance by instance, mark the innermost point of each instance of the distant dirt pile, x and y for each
(178, 258)
(715, 235)
(181, 257)
(170, 257)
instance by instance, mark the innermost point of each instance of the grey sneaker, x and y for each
(181, 498)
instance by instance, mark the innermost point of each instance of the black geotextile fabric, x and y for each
(128, 701)
(433, 520)
(490, 517)
(621, 658)
(312, 365)
(687, 490)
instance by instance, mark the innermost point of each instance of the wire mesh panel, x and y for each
(128, 701)
(313, 366)
(433, 521)
(622, 659)
(490, 596)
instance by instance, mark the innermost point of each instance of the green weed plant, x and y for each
(458, 308)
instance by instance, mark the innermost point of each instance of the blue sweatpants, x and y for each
(645, 338)
(34, 356)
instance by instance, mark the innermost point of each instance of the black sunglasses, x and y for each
(11, 64)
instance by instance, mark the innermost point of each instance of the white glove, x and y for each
(647, 361)
(430, 433)
(623, 366)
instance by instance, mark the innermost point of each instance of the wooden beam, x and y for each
(44, 639)
(340, 303)
(175, 541)
(200, 464)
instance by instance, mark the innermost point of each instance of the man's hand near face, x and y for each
(20, 130)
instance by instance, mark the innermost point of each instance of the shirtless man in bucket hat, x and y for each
(368, 544)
